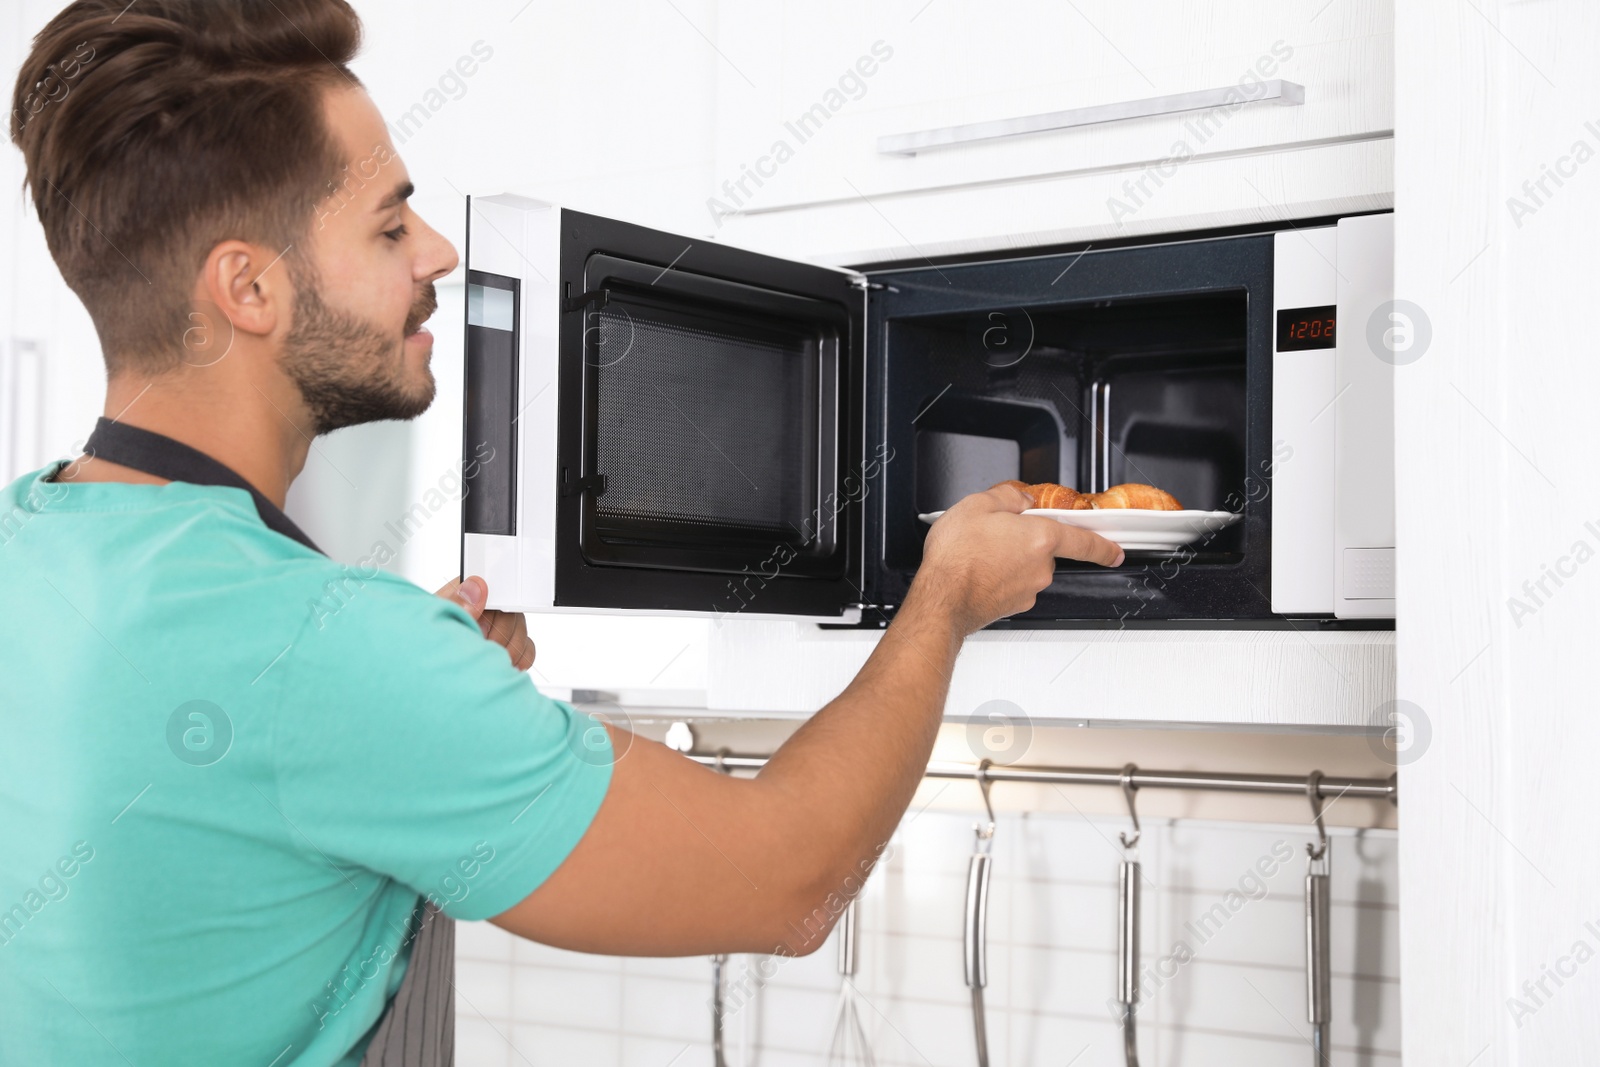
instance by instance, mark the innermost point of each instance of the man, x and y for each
(219, 810)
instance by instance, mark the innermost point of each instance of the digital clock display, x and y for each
(1303, 328)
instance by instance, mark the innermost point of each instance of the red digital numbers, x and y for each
(1312, 328)
(1300, 329)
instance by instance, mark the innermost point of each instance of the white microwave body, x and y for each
(675, 427)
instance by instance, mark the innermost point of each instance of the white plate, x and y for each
(1136, 529)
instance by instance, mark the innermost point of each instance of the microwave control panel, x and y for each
(1333, 422)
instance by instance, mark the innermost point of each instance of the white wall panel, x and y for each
(1496, 487)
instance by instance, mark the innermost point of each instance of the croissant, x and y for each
(1051, 495)
(1058, 497)
(1134, 495)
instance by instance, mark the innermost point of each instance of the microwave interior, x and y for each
(1148, 389)
(1143, 364)
(1145, 390)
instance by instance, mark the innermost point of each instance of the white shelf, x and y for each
(1248, 678)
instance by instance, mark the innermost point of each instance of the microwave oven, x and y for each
(668, 425)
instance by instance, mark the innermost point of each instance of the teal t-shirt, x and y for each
(231, 768)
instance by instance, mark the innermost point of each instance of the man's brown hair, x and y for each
(154, 130)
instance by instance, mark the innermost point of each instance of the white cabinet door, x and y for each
(1495, 510)
(808, 91)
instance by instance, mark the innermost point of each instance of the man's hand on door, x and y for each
(509, 629)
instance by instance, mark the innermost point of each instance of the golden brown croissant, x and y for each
(1058, 497)
(1134, 495)
(1052, 496)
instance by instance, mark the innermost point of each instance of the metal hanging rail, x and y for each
(1284, 784)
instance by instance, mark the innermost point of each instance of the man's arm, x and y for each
(681, 860)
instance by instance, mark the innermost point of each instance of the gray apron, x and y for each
(419, 1027)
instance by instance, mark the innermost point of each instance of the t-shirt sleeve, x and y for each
(407, 744)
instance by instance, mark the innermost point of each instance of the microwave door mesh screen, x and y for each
(705, 427)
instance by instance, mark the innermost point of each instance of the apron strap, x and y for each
(419, 1027)
(161, 456)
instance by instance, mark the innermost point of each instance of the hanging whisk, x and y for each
(849, 1044)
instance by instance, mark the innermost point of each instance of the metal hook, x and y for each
(985, 832)
(984, 783)
(1128, 789)
(1314, 793)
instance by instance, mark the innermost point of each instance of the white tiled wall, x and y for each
(1052, 962)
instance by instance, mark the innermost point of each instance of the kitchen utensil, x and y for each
(718, 962)
(975, 943)
(849, 1044)
(718, 1057)
(1128, 875)
(1318, 966)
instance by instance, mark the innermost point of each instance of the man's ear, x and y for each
(246, 287)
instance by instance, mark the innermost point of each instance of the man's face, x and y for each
(356, 346)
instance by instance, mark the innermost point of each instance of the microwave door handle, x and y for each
(600, 298)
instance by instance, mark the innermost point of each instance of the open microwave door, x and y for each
(656, 423)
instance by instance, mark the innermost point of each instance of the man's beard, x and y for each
(348, 370)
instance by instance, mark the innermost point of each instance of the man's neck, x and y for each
(246, 430)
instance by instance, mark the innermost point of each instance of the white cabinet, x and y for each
(1250, 678)
(1496, 489)
(807, 92)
